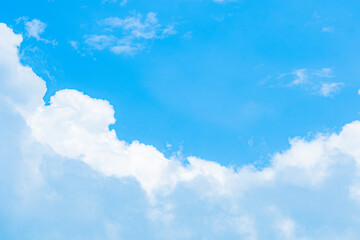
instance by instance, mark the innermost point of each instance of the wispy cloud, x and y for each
(315, 81)
(129, 34)
(301, 77)
(122, 2)
(324, 73)
(74, 44)
(328, 89)
(34, 29)
(187, 35)
(328, 29)
(100, 42)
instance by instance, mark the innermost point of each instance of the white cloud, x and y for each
(187, 35)
(74, 44)
(19, 84)
(122, 3)
(327, 29)
(301, 77)
(169, 30)
(251, 141)
(304, 183)
(100, 42)
(76, 126)
(34, 28)
(136, 27)
(124, 49)
(313, 81)
(325, 73)
(20, 94)
(130, 34)
(328, 89)
(287, 228)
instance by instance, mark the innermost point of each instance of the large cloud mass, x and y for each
(63, 169)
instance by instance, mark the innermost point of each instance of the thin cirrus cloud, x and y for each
(314, 81)
(34, 29)
(128, 35)
(295, 197)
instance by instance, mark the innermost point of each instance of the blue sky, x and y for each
(205, 93)
(214, 81)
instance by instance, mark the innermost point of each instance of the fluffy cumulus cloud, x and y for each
(128, 35)
(66, 175)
